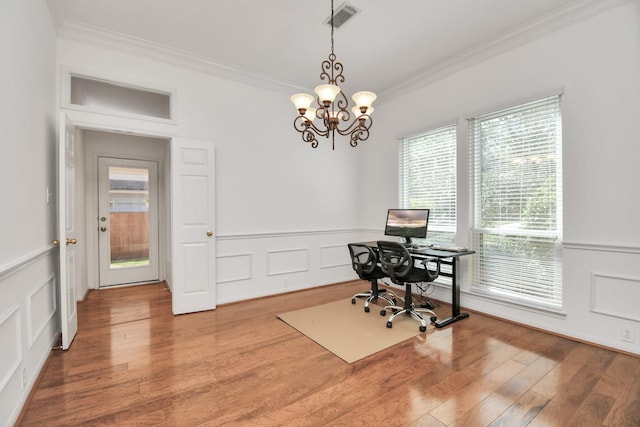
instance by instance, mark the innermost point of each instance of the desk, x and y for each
(446, 257)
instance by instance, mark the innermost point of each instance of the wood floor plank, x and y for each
(133, 363)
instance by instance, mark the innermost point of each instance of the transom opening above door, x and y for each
(88, 93)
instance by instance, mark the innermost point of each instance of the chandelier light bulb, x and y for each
(302, 101)
(327, 93)
(364, 98)
(310, 114)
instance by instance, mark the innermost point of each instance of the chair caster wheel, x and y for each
(423, 328)
(353, 300)
(366, 309)
(383, 313)
(389, 325)
(433, 319)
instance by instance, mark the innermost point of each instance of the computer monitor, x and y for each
(407, 223)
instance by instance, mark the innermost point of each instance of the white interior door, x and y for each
(192, 226)
(127, 221)
(66, 231)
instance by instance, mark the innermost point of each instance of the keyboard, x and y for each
(449, 248)
(425, 248)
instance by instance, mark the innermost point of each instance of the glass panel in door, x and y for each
(129, 217)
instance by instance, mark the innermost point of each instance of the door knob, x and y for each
(103, 229)
(72, 241)
(55, 242)
(209, 233)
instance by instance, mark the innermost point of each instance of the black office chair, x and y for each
(398, 264)
(364, 261)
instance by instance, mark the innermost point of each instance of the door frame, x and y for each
(167, 132)
(150, 150)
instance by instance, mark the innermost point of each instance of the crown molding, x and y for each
(573, 12)
(144, 48)
(570, 14)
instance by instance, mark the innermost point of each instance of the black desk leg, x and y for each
(455, 298)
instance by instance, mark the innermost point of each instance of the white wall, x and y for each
(271, 188)
(596, 64)
(28, 306)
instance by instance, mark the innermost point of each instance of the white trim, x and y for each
(593, 292)
(572, 13)
(547, 311)
(144, 48)
(238, 278)
(11, 370)
(269, 235)
(22, 262)
(346, 262)
(66, 73)
(433, 128)
(630, 248)
(272, 272)
(556, 20)
(514, 103)
(31, 337)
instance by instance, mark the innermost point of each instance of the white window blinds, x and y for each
(428, 179)
(516, 185)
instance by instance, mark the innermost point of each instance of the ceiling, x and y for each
(386, 47)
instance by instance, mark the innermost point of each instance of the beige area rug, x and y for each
(347, 331)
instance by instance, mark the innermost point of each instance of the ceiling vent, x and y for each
(341, 15)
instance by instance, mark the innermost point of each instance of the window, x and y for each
(428, 180)
(516, 186)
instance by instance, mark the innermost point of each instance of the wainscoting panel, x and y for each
(606, 292)
(287, 261)
(29, 326)
(258, 265)
(601, 290)
(11, 354)
(41, 307)
(233, 268)
(334, 256)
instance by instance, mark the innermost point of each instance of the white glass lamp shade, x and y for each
(364, 98)
(310, 114)
(327, 93)
(358, 113)
(302, 101)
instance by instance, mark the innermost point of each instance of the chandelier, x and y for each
(331, 114)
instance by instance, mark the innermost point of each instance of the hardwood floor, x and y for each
(134, 363)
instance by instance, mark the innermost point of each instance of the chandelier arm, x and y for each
(307, 130)
(355, 125)
(342, 103)
(308, 136)
(320, 132)
(358, 134)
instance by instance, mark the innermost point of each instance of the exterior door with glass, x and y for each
(127, 221)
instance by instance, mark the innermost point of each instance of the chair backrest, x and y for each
(363, 259)
(398, 264)
(395, 260)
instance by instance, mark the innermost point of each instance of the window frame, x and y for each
(495, 275)
(442, 229)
